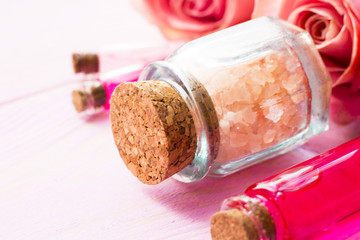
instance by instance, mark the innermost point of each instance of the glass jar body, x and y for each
(268, 85)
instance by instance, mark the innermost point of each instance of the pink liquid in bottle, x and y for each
(111, 80)
(310, 198)
(105, 70)
(112, 57)
(94, 96)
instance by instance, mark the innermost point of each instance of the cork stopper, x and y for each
(233, 224)
(153, 129)
(80, 100)
(83, 100)
(237, 224)
(85, 62)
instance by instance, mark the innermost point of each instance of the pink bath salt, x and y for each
(292, 83)
(255, 145)
(224, 125)
(258, 77)
(274, 113)
(298, 98)
(255, 91)
(290, 112)
(237, 139)
(258, 103)
(269, 136)
(249, 116)
(217, 81)
(270, 91)
(236, 94)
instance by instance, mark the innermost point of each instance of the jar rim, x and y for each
(184, 85)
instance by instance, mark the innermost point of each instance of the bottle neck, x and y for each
(90, 98)
(203, 113)
(243, 215)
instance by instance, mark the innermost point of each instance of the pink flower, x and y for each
(334, 26)
(189, 19)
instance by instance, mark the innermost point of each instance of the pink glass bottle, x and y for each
(94, 96)
(105, 70)
(305, 200)
(109, 58)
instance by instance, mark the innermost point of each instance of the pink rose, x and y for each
(334, 26)
(189, 19)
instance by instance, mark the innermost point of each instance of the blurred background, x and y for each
(61, 176)
(38, 37)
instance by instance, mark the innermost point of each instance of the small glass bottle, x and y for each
(251, 92)
(307, 199)
(94, 96)
(112, 57)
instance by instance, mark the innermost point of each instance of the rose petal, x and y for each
(338, 113)
(352, 73)
(189, 19)
(349, 98)
(206, 10)
(318, 28)
(212, 9)
(334, 69)
(355, 4)
(237, 12)
(276, 8)
(320, 9)
(337, 4)
(333, 30)
(339, 49)
(234, 12)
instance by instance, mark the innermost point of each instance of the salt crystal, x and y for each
(255, 90)
(297, 98)
(270, 63)
(270, 90)
(222, 79)
(269, 136)
(229, 116)
(257, 77)
(269, 102)
(236, 93)
(235, 106)
(242, 94)
(237, 139)
(255, 143)
(239, 70)
(291, 66)
(292, 83)
(274, 113)
(224, 125)
(249, 116)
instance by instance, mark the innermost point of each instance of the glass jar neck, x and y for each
(257, 211)
(203, 113)
(90, 97)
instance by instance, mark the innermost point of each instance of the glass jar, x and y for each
(269, 91)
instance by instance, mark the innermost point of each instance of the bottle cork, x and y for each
(239, 225)
(85, 62)
(83, 100)
(153, 129)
